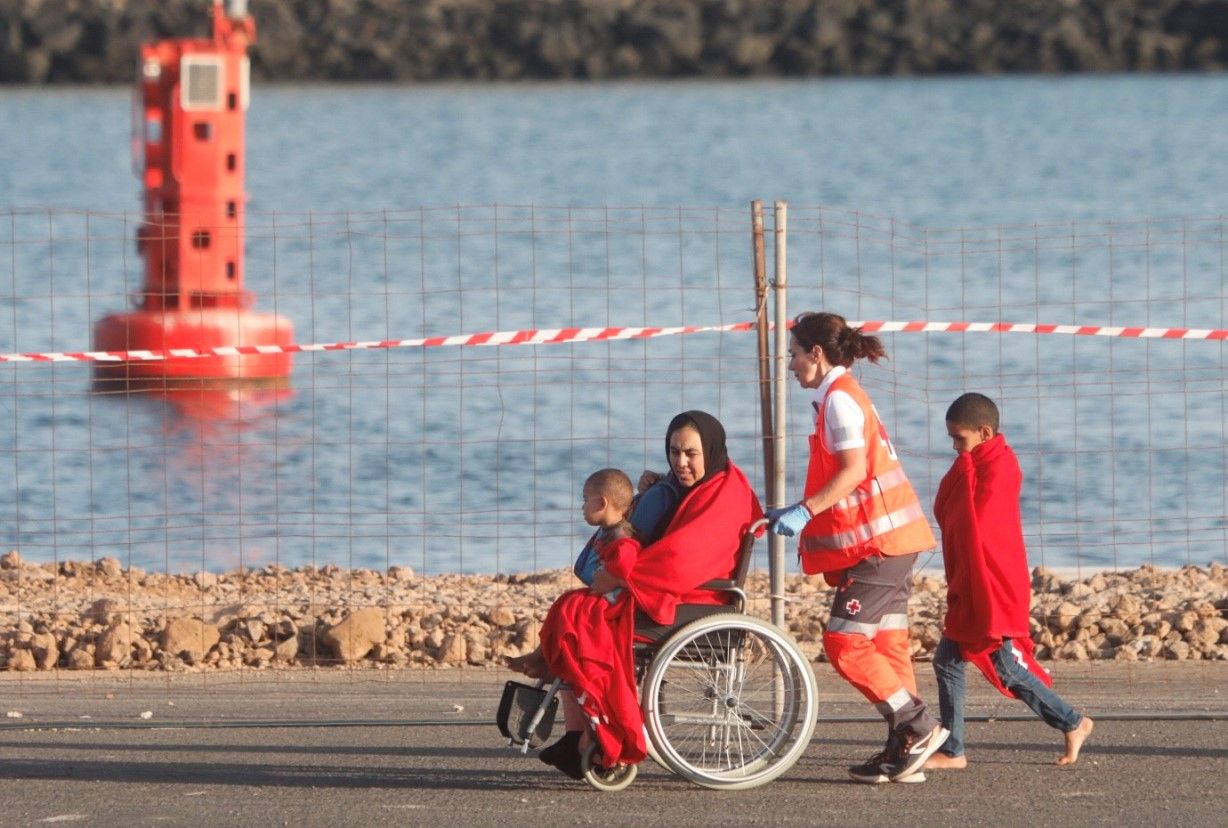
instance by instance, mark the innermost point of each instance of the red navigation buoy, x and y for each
(189, 141)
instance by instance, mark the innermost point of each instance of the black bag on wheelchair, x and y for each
(520, 702)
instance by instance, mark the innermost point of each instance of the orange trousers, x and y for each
(879, 667)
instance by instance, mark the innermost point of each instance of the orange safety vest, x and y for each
(881, 516)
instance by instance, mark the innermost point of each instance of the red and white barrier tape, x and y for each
(551, 336)
(541, 336)
(1039, 328)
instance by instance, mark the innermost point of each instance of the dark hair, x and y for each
(613, 484)
(840, 343)
(973, 410)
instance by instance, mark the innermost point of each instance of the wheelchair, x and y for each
(729, 700)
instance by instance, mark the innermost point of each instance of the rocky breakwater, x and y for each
(98, 615)
(97, 41)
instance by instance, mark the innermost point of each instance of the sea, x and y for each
(425, 461)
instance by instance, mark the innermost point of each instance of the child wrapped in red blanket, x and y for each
(988, 584)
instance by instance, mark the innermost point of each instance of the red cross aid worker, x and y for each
(860, 525)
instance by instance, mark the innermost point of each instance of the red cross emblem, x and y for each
(853, 606)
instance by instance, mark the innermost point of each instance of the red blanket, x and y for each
(700, 543)
(587, 641)
(989, 590)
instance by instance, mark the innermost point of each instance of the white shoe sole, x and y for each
(920, 759)
(883, 779)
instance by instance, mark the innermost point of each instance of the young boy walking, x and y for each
(989, 588)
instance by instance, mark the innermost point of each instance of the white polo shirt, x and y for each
(844, 423)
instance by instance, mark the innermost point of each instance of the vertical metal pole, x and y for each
(780, 285)
(762, 326)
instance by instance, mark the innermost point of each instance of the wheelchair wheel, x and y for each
(729, 702)
(603, 779)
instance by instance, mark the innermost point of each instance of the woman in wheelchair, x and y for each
(587, 640)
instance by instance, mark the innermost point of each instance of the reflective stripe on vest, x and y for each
(885, 482)
(866, 532)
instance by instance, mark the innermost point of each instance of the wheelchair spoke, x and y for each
(731, 702)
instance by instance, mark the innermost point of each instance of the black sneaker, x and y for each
(912, 752)
(875, 770)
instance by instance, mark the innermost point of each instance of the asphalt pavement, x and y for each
(373, 747)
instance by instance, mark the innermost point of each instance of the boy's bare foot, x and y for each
(943, 761)
(531, 664)
(1075, 739)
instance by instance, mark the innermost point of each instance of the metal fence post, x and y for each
(776, 571)
(762, 327)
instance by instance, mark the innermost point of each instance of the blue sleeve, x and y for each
(587, 562)
(651, 509)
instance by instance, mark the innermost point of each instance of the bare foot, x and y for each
(1075, 739)
(942, 761)
(531, 664)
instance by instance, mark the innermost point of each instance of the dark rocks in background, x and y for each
(97, 41)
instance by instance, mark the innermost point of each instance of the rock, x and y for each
(109, 567)
(501, 617)
(354, 637)
(1044, 581)
(22, 661)
(144, 651)
(255, 630)
(45, 649)
(225, 614)
(402, 574)
(453, 649)
(1080, 590)
(114, 646)
(1206, 609)
(1127, 609)
(205, 580)
(1176, 651)
(100, 611)
(10, 560)
(1114, 629)
(1185, 621)
(286, 650)
(1206, 632)
(259, 657)
(1065, 616)
(1074, 651)
(79, 659)
(527, 632)
(1088, 619)
(189, 638)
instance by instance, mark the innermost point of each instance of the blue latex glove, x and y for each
(789, 520)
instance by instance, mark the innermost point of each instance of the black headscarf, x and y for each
(711, 438)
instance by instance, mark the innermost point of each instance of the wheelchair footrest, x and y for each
(526, 713)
